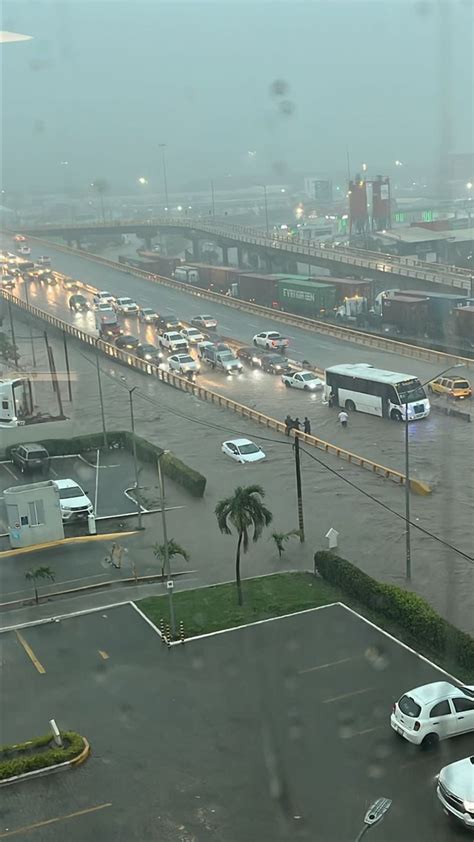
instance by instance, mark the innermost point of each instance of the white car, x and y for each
(243, 450)
(201, 346)
(24, 250)
(173, 341)
(192, 334)
(73, 501)
(455, 790)
(271, 340)
(207, 322)
(183, 363)
(147, 315)
(306, 380)
(7, 281)
(104, 297)
(434, 712)
(126, 306)
(44, 260)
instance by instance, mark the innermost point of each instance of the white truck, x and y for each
(186, 274)
(271, 340)
(173, 341)
(223, 359)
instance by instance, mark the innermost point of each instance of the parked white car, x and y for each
(192, 334)
(183, 363)
(434, 712)
(243, 450)
(271, 340)
(455, 790)
(306, 380)
(73, 501)
(103, 297)
(126, 306)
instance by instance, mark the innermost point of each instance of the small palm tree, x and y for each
(101, 185)
(39, 573)
(173, 550)
(281, 538)
(244, 511)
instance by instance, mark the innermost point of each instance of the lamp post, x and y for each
(162, 146)
(212, 197)
(407, 475)
(266, 206)
(169, 580)
(134, 451)
(374, 815)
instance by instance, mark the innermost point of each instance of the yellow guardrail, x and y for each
(346, 334)
(212, 397)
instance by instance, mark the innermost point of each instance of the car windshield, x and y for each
(193, 332)
(186, 359)
(147, 311)
(409, 707)
(461, 384)
(308, 376)
(70, 491)
(226, 357)
(245, 449)
(126, 301)
(37, 454)
(276, 359)
(411, 395)
(149, 349)
(274, 336)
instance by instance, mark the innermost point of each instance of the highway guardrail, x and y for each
(343, 333)
(184, 385)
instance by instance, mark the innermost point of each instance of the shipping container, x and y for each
(259, 289)
(306, 298)
(216, 278)
(408, 314)
(464, 323)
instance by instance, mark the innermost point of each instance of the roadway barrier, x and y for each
(345, 334)
(450, 410)
(184, 385)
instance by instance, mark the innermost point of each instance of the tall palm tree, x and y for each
(101, 185)
(244, 511)
(174, 548)
(39, 573)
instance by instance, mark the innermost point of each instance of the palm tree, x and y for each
(39, 573)
(281, 538)
(101, 185)
(173, 549)
(244, 511)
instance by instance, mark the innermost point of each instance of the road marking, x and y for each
(10, 471)
(368, 730)
(103, 655)
(347, 695)
(30, 653)
(324, 666)
(53, 471)
(56, 819)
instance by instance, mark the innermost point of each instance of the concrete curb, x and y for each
(450, 410)
(51, 770)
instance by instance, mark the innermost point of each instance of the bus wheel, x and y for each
(396, 415)
(350, 406)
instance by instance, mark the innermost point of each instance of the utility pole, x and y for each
(162, 146)
(135, 461)
(407, 499)
(213, 202)
(169, 580)
(299, 492)
(12, 330)
(266, 207)
(101, 399)
(27, 299)
(68, 370)
(54, 376)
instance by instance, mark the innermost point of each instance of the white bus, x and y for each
(16, 402)
(363, 388)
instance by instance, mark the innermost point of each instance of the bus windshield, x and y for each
(410, 391)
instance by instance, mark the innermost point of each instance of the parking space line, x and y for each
(347, 695)
(103, 654)
(56, 819)
(39, 666)
(368, 730)
(325, 666)
(52, 471)
(9, 471)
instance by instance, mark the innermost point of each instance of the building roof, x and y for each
(415, 234)
(461, 235)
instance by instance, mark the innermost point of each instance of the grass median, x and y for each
(211, 609)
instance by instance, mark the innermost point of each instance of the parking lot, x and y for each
(278, 731)
(108, 494)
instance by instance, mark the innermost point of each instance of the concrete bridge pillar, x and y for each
(196, 250)
(240, 257)
(148, 242)
(225, 255)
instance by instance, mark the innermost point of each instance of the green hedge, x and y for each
(13, 763)
(412, 613)
(173, 467)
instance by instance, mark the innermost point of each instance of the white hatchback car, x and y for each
(243, 450)
(455, 790)
(434, 712)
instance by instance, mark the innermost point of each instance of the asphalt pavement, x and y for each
(255, 734)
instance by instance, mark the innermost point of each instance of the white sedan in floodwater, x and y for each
(243, 450)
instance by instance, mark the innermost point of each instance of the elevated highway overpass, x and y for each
(388, 270)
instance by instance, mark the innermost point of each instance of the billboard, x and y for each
(358, 212)
(381, 203)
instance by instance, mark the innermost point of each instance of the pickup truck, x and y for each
(173, 341)
(223, 359)
(271, 340)
(305, 380)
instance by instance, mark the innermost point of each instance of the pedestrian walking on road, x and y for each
(343, 418)
(288, 424)
(307, 426)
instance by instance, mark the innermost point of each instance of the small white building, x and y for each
(33, 514)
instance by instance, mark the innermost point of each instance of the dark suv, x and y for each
(30, 457)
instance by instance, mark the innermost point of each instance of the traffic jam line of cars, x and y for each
(438, 711)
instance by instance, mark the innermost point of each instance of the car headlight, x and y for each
(469, 806)
(278, 368)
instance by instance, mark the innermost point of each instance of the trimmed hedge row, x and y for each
(173, 467)
(408, 610)
(19, 765)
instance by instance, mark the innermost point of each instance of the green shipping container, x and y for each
(306, 298)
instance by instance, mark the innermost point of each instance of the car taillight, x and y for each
(417, 726)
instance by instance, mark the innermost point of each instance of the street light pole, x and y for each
(266, 207)
(135, 461)
(407, 475)
(213, 202)
(162, 146)
(169, 580)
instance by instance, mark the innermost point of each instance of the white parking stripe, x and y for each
(324, 666)
(10, 471)
(347, 695)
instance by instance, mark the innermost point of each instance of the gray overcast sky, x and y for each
(103, 83)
